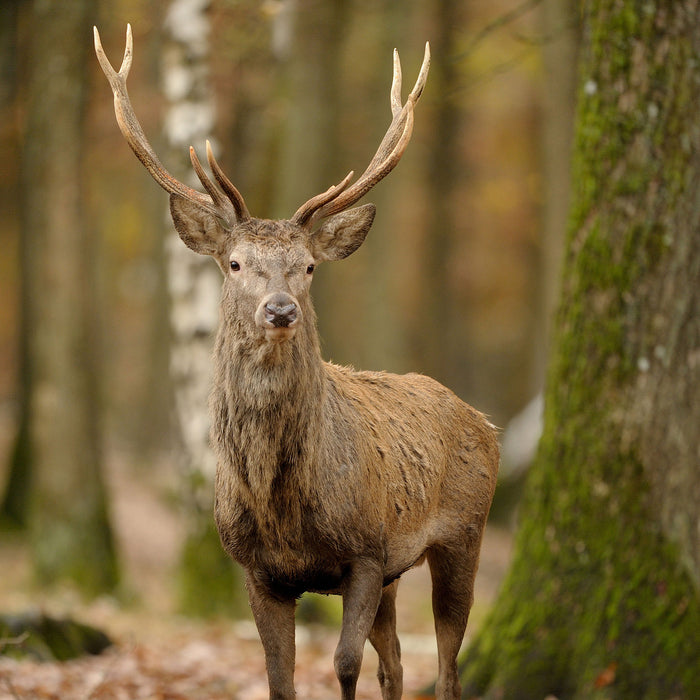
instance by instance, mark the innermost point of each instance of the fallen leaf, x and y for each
(606, 677)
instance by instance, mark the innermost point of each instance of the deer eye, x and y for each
(310, 269)
(235, 266)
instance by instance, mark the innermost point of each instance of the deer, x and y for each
(328, 479)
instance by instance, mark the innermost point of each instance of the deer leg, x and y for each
(452, 574)
(274, 619)
(362, 591)
(384, 640)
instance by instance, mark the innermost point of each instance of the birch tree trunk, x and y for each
(207, 577)
(603, 597)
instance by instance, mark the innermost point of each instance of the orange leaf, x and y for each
(606, 677)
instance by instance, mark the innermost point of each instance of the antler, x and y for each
(340, 196)
(131, 129)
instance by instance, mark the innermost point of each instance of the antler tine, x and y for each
(422, 75)
(306, 211)
(372, 175)
(384, 160)
(208, 185)
(227, 186)
(133, 133)
(115, 78)
(396, 105)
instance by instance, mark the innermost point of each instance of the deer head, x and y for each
(267, 265)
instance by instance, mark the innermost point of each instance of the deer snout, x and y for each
(278, 314)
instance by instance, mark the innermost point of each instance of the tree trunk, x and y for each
(442, 347)
(69, 522)
(14, 507)
(559, 54)
(208, 580)
(602, 600)
(377, 305)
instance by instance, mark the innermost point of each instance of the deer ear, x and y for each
(199, 230)
(342, 234)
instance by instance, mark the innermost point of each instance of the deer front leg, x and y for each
(362, 591)
(384, 640)
(275, 622)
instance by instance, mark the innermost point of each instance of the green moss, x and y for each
(210, 584)
(49, 639)
(75, 547)
(314, 608)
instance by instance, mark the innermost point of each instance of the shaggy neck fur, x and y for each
(266, 411)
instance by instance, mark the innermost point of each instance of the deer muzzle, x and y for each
(278, 315)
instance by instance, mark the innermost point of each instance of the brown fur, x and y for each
(322, 467)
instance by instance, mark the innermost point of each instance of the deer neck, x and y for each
(267, 405)
(258, 373)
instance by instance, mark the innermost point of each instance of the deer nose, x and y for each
(281, 312)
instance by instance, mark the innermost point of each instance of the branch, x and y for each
(498, 23)
(11, 687)
(13, 641)
(530, 43)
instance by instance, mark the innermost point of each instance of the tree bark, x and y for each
(602, 600)
(69, 523)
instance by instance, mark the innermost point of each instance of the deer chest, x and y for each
(289, 555)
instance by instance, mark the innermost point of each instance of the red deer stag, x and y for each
(328, 480)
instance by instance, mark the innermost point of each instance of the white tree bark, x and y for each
(194, 281)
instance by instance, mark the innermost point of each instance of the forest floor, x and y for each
(159, 655)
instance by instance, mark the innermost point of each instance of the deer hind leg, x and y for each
(274, 619)
(384, 640)
(452, 574)
(362, 591)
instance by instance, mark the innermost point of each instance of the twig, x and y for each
(531, 43)
(496, 24)
(106, 673)
(11, 688)
(90, 693)
(13, 641)
(104, 676)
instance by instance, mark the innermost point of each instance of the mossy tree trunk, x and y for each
(602, 600)
(68, 519)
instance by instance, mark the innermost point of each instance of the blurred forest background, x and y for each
(106, 318)
(457, 279)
